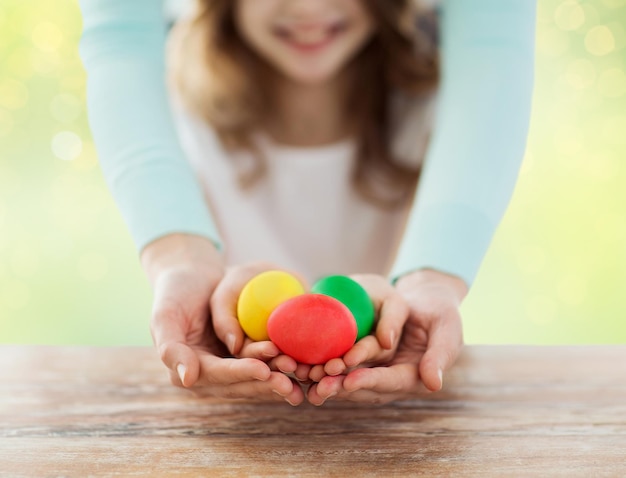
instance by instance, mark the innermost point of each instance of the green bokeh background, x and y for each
(555, 274)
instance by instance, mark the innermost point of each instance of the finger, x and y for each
(327, 388)
(394, 313)
(283, 385)
(296, 396)
(313, 397)
(302, 372)
(367, 396)
(284, 363)
(265, 350)
(444, 345)
(336, 366)
(359, 396)
(376, 287)
(370, 349)
(225, 371)
(175, 378)
(365, 350)
(224, 307)
(317, 373)
(396, 379)
(391, 309)
(169, 338)
(277, 386)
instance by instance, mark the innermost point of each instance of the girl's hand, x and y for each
(430, 344)
(229, 331)
(184, 270)
(391, 312)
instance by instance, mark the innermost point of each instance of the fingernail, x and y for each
(181, 370)
(290, 402)
(441, 377)
(329, 396)
(278, 393)
(392, 338)
(230, 342)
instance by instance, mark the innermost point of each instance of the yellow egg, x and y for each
(260, 296)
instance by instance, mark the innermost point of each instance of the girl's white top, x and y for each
(303, 214)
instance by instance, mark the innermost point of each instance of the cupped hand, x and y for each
(391, 314)
(430, 343)
(228, 330)
(184, 271)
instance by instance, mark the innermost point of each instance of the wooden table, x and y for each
(79, 411)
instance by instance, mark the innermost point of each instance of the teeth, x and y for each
(309, 37)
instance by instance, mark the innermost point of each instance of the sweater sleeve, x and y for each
(122, 49)
(479, 136)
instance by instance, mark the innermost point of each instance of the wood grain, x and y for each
(504, 411)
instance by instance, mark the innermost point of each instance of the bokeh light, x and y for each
(556, 271)
(600, 41)
(569, 15)
(47, 36)
(67, 145)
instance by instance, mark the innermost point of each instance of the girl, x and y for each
(306, 125)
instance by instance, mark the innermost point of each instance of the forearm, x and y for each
(479, 138)
(152, 183)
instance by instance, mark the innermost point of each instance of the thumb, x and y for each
(169, 336)
(224, 311)
(444, 344)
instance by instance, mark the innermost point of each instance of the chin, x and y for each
(312, 75)
(311, 79)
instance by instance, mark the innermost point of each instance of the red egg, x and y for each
(312, 328)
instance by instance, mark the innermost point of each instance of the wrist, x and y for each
(179, 250)
(432, 277)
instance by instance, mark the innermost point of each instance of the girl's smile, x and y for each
(310, 37)
(308, 42)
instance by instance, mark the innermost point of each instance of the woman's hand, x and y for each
(229, 331)
(184, 271)
(430, 344)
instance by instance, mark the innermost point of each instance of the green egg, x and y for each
(353, 296)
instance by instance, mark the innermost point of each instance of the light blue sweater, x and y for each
(471, 166)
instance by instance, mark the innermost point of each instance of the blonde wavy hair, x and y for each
(215, 74)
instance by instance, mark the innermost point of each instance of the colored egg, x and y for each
(312, 328)
(353, 296)
(260, 296)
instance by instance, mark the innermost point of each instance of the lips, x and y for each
(309, 37)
